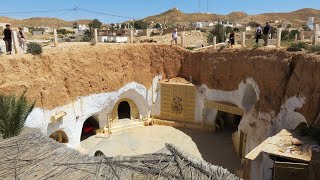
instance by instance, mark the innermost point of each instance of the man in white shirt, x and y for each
(175, 36)
(258, 33)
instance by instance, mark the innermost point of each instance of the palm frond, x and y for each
(13, 114)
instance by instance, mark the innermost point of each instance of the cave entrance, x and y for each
(59, 136)
(227, 124)
(124, 110)
(227, 120)
(89, 128)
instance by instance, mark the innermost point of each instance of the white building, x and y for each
(203, 24)
(83, 27)
(310, 23)
(248, 28)
(116, 39)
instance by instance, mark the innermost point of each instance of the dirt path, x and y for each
(216, 148)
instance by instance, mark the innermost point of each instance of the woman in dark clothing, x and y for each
(8, 38)
(231, 39)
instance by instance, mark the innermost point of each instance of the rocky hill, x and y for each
(41, 21)
(175, 16)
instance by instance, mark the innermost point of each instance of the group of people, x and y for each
(260, 33)
(264, 33)
(8, 37)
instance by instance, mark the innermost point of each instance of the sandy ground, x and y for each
(215, 148)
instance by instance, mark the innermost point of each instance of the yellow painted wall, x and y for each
(177, 102)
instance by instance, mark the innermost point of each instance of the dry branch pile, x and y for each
(34, 156)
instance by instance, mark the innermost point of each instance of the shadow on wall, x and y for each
(60, 136)
(124, 110)
(215, 148)
(89, 128)
(249, 98)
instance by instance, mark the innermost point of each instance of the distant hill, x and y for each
(41, 21)
(296, 17)
(175, 16)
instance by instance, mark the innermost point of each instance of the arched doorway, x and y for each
(89, 128)
(59, 136)
(124, 110)
(99, 154)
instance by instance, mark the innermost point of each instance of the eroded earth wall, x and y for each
(60, 75)
(279, 75)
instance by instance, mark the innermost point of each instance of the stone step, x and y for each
(125, 126)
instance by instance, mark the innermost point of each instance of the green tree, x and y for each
(95, 24)
(75, 25)
(140, 24)
(87, 36)
(13, 114)
(306, 28)
(252, 24)
(293, 33)
(236, 29)
(285, 35)
(157, 26)
(228, 29)
(219, 31)
(62, 31)
(123, 25)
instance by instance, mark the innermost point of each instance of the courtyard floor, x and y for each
(216, 148)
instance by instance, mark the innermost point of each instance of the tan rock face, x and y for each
(62, 74)
(279, 75)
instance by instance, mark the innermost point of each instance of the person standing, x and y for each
(22, 39)
(258, 33)
(175, 36)
(8, 38)
(231, 39)
(266, 33)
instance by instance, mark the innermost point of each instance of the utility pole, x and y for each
(207, 6)
(174, 4)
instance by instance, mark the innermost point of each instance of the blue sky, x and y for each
(141, 8)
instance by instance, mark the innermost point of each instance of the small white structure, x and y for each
(83, 27)
(25, 29)
(117, 39)
(310, 23)
(46, 29)
(202, 24)
(37, 33)
(248, 28)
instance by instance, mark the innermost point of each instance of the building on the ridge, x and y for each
(310, 23)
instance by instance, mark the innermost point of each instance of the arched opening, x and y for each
(99, 154)
(89, 128)
(124, 110)
(249, 98)
(227, 124)
(59, 136)
(227, 121)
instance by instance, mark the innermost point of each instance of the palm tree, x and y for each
(13, 114)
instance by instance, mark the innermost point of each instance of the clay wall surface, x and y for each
(279, 75)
